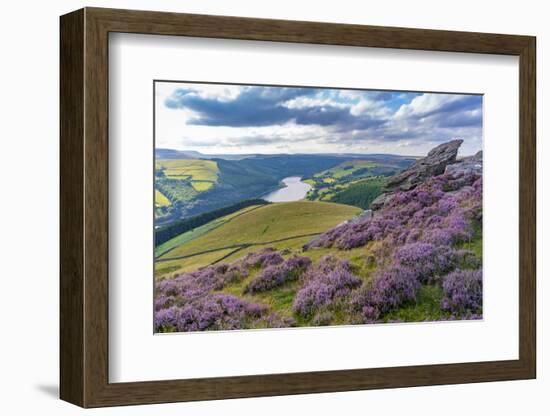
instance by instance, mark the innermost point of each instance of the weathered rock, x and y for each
(433, 164)
(380, 201)
(468, 165)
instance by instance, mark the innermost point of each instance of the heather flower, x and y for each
(192, 285)
(211, 312)
(274, 320)
(322, 319)
(424, 259)
(163, 302)
(266, 257)
(438, 236)
(166, 318)
(466, 259)
(390, 289)
(440, 211)
(329, 280)
(463, 292)
(277, 275)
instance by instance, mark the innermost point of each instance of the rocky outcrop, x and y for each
(435, 163)
(468, 165)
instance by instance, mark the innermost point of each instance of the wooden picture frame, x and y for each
(84, 207)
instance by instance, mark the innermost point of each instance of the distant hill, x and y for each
(162, 153)
(193, 154)
(194, 183)
(177, 154)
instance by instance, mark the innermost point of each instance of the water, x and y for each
(294, 190)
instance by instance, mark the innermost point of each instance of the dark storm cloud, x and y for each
(263, 106)
(253, 107)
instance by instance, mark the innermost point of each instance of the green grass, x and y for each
(160, 199)
(294, 245)
(166, 269)
(285, 220)
(195, 169)
(197, 232)
(279, 299)
(254, 228)
(427, 307)
(476, 243)
(202, 185)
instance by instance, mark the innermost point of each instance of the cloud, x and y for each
(265, 119)
(264, 106)
(427, 105)
(253, 106)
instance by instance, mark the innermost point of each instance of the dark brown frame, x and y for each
(84, 207)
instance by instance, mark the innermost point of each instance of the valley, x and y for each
(187, 187)
(332, 242)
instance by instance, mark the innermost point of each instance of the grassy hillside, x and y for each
(195, 186)
(360, 193)
(281, 225)
(345, 169)
(354, 182)
(198, 231)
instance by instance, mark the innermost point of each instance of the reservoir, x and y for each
(294, 190)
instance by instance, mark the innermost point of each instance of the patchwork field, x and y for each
(179, 181)
(194, 169)
(345, 169)
(356, 182)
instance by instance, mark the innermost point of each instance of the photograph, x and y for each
(282, 206)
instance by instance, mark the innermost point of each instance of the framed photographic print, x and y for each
(257, 207)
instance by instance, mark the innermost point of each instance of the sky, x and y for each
(241, 119)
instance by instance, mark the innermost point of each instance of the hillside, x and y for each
(418, 258)
(284, 225)
(194, 186)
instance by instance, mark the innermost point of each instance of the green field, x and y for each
(169, 268)
(160, 199)
(194, 169)
(354, 182)
(345, 169)
(360, 193)
(282, 225)
(201, 185)
(179, 181)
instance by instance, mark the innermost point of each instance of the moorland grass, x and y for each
(283, 220)
(197, 232)
(167, 269)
